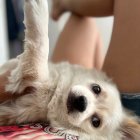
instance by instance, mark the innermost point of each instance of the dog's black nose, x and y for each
(75, 103)
(80, 103)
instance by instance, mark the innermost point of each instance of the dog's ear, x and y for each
(130, 129)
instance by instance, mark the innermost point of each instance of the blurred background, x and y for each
(12, 29)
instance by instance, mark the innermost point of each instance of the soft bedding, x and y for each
(36, 131)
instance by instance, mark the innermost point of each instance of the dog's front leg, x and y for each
(32, 68)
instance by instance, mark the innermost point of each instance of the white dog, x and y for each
(85, 102)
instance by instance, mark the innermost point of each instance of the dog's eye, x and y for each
(96, 89)
(96, 122)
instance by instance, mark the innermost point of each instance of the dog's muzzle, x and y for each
(76, 103)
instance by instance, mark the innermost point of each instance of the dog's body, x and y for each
(85, 102)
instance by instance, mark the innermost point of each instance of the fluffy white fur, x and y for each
(50, 85)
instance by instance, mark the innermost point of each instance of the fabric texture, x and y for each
(131, 102)
(36, 131)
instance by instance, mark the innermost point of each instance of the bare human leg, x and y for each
(96, 8)
(80, 43)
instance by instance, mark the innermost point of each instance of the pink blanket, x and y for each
(34, 132)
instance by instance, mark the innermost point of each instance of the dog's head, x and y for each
(91, 104)
(96, 109)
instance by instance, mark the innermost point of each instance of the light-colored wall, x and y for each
(3, 34)
(105, 26)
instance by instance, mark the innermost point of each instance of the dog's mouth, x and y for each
(76, 103)
(70, 103)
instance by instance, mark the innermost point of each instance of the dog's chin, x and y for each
(72, 118)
